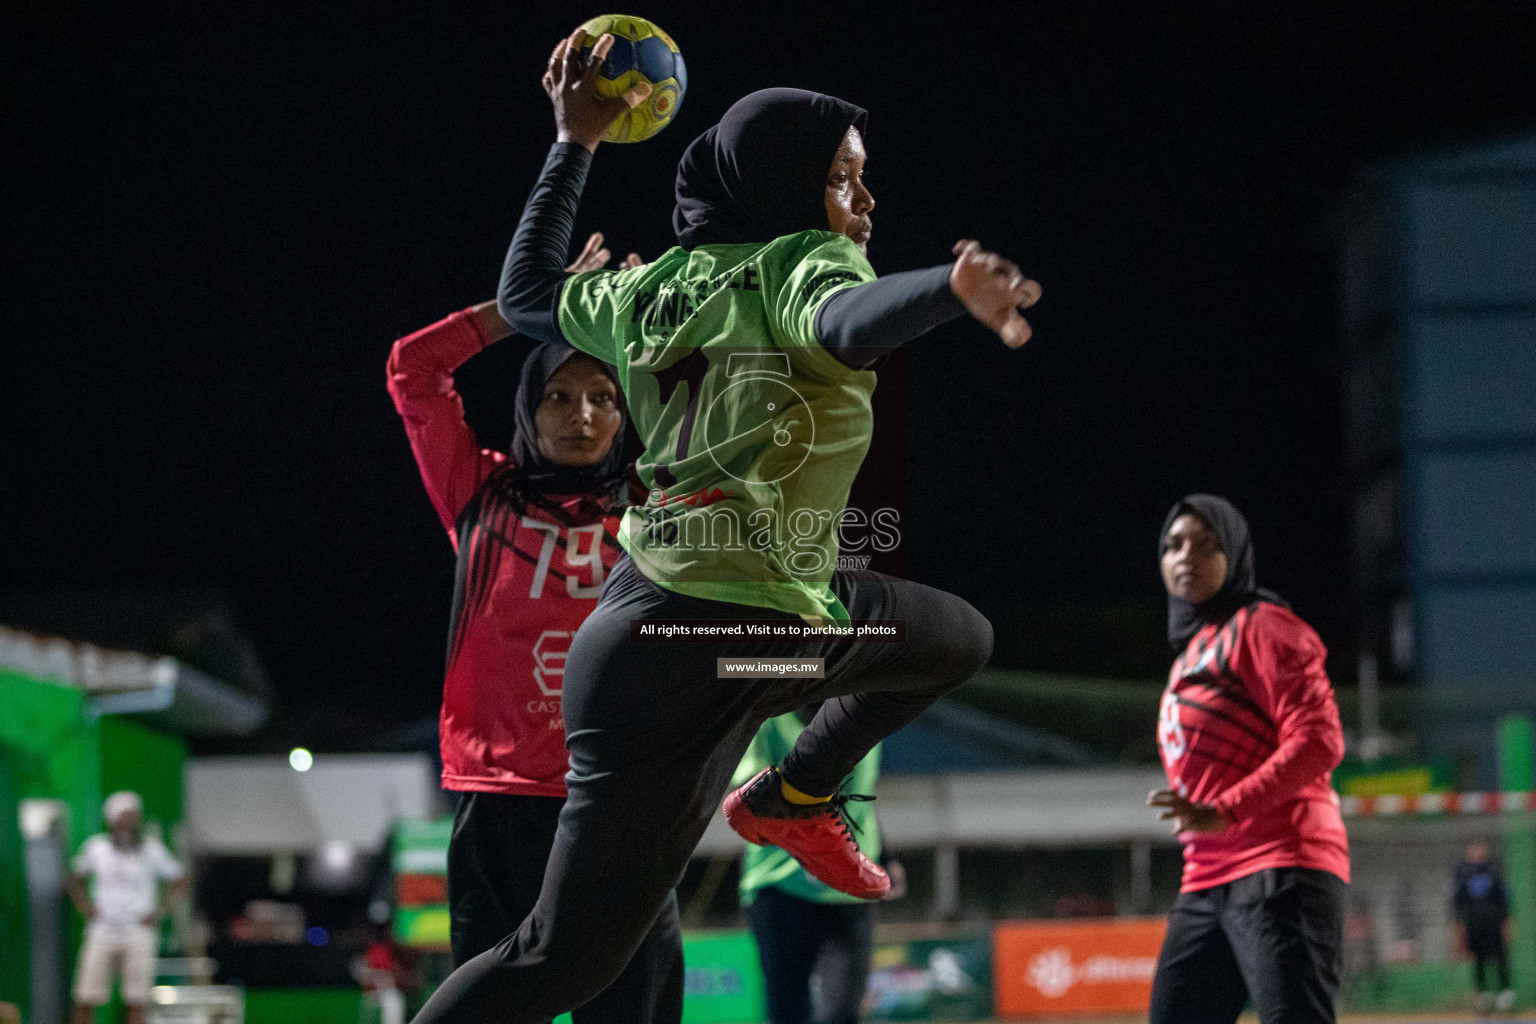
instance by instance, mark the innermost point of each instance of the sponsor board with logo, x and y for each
(1060, 968)
(935, 978)
(722, 979)
(419, 860)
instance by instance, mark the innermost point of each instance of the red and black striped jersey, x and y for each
(1249, 725)
(529, 574)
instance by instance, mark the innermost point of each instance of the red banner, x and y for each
(420, 890)
(1058, 968)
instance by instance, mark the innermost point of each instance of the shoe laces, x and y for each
(838, 808)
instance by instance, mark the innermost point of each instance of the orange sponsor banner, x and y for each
(1058, 968)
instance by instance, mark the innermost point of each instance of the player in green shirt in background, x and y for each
(804, 927)
(745, 355)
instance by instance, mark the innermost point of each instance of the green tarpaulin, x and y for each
(47, 750)
(51, 748)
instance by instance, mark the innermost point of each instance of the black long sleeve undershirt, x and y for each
(534, 270)
(854, 325)
(858, 324)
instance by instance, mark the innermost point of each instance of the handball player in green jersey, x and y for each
(744, 355)
(815, 944)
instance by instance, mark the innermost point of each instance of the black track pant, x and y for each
(496, 859)
(1486, 943)
(654, 736)
(1273, 936)
(796, 939)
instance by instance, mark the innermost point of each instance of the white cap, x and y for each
(121, 802)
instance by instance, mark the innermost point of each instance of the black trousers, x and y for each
(496, 860)
(796, 939)
(1486, 943)
(654, 737)
(1273, 936)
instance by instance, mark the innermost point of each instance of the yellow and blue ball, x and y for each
(641, 53)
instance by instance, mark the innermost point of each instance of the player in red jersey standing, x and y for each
(1249, 733)
(535, 536)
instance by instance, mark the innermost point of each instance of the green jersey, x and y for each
(768, 865)
(753, 432)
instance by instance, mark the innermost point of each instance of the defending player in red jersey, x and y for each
(1249, 733)
(534, 533)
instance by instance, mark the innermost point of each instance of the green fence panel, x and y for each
(13, 889)
(306, 1005)
(1409, 989)
(1517, 773)
(724, 981)
(47, 750)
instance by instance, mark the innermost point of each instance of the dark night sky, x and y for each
(215, 225)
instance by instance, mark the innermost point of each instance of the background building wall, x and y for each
(1439, 282)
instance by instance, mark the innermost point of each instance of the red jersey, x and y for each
(1249, 724)
(526, 580)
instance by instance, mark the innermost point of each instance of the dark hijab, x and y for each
(1185, 618)
(762, 171)
(533, 474)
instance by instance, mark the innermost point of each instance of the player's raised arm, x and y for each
(535, 265)
(420, 380)
(581, 115)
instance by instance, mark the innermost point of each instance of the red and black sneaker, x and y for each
(817, 835)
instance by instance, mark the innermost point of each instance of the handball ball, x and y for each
(641, 53)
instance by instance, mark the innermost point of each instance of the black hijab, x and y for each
(533, 474)
(762, 171)
(1241, 588)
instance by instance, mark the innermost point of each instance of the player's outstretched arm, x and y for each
(855, 324)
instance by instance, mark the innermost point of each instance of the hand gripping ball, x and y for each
(641, 52)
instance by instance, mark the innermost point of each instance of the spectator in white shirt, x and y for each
(123, 907)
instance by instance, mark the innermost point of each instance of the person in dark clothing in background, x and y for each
(1482, 914)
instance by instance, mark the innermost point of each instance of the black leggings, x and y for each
(797, 939)
(1274, 937)
(496, 859)
(1488, 954)
(654, 737)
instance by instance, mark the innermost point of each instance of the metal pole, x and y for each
(946, 882)
(45, 890)
(1370, 708)
(1141, 876)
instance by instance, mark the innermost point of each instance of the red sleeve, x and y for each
(421, 369)
(1280, 660)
